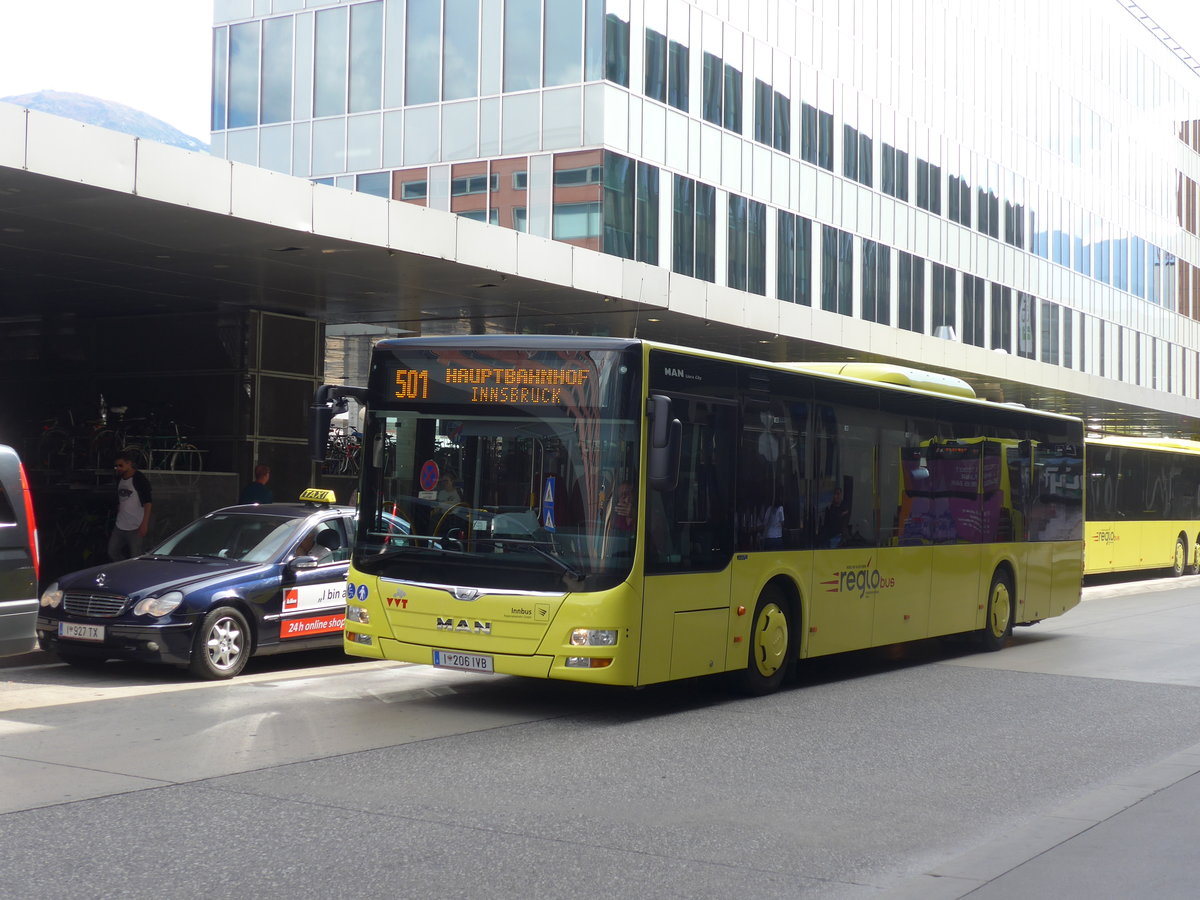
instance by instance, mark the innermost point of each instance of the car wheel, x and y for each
(771, 641)
(221, 645)
(997, 628)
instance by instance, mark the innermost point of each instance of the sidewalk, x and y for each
(1134, 837)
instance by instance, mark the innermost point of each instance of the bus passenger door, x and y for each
(956, 517)
(688, 547)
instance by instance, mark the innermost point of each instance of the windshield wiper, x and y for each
(526, 544)
(419, 543)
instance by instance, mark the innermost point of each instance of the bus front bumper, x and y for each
(537, 666)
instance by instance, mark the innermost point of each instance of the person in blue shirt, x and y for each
(257, 490)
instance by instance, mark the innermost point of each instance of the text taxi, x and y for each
(240, 581)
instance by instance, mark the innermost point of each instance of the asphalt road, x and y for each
(312, 776)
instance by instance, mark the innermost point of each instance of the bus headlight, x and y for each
(52, 596)
(593, 637)
(158, 606)
(358, 614)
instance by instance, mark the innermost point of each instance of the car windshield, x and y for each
(249, 538)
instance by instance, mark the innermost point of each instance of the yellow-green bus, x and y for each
(624, 512)
(1143, 505)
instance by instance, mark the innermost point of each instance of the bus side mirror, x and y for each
(320, 417)
(329, 401)
(666, 438)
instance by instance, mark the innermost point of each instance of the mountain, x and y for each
(107, 114)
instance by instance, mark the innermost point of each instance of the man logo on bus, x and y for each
(463, 625)
(861, 580)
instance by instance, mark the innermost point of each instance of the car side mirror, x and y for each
(302, 562)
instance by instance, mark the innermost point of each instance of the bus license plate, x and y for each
(467, 662)
(77, 631)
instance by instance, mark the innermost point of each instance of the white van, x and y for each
(18, 558)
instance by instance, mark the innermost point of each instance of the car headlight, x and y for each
(52, 596)
(158, 606)
(593, 637)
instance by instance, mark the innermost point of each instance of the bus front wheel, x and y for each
(771, 641)
(997, 629)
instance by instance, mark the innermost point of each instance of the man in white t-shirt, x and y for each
(134, 500)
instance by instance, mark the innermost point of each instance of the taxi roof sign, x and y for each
(316, 495)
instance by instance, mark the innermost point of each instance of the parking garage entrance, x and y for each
(197, 398)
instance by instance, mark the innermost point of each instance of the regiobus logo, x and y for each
(861, 580)
(1106, 536)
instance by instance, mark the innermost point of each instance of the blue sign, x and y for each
(548, 505)
(362, 593)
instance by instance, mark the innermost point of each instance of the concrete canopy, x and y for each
(97, 224)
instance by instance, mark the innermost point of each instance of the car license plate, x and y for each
(77, 631)
(468, 662)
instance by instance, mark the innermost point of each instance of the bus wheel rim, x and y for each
(770, 640)
(1180, 556)
(1000, 610)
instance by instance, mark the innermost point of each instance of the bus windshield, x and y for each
(500, 493)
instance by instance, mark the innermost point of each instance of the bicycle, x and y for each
(343, 455)
(165, 452)
(56, 445)
(112, 439)
(67, 444)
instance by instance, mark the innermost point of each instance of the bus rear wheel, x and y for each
(771, 641)
(1181, 563)
(1001, 602)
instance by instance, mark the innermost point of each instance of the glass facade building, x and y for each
(1016, 177)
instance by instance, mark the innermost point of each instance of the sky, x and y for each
(155, 55)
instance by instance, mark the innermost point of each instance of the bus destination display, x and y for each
(520, 385)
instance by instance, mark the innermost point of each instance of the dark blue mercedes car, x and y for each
(240, 581)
